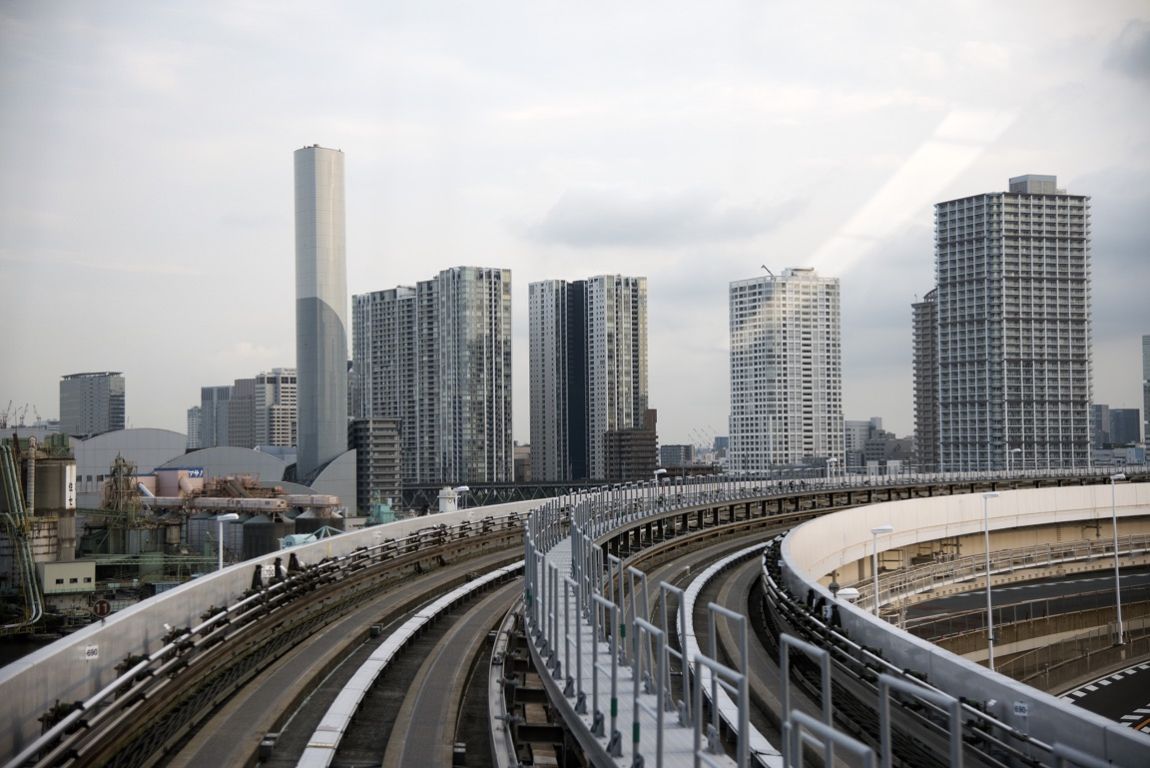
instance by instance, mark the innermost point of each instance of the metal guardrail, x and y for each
(722, 707)
(904, 582)
(599, 607)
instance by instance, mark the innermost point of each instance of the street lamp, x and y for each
(830, 460)
(986, 497)
(875, 533)
(1117, 584)
(1010, 459)
(227, 517)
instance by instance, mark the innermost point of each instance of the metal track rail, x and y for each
(325, 740)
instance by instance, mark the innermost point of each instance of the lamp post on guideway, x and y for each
(875, 533)
(1117, 582)
(1010, 459)
(986, 497)
(830, 460)
(227, 517)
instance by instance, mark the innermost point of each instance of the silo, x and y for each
(201, 532)
(307, 522)
(259, 537)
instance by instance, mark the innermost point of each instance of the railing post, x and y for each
(951, 704)
(786, 642)
(684, 705)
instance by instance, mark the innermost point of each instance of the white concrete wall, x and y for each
(827, 543)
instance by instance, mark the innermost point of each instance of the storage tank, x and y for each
(309, 522)
(262, 535)
(199, 526)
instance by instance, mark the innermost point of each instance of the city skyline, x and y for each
(552, 148)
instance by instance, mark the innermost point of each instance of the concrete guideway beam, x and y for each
(808, 555)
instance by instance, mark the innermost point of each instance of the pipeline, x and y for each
(30, 480)
(18, 525)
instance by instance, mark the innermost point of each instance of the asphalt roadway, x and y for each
(1123, 696)
(1082, 592)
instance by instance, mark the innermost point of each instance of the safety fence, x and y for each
(896, 586)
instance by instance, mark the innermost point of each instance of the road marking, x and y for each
(1092, 688)
(1078, 693)
(1104, 682)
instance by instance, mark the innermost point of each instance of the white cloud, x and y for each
(145, 162)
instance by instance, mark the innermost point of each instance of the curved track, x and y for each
(291, 695)
(295, 669)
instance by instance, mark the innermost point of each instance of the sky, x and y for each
(146, 205)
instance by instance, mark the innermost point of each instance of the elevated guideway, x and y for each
(580, 602)
(578, 578)
(824, 549)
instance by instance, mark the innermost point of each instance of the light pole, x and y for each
(1117, 583)
(1010, 459)
(875, 533)
(986, 497)
(830, 460)
(227, 517)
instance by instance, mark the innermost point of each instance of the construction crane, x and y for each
(4, 416)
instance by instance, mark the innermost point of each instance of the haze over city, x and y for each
(146, 191)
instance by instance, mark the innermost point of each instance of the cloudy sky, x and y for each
(146, 170)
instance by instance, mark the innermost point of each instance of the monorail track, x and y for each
(218, 692)
(163, 703)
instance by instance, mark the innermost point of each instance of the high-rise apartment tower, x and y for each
(588, 347)
(786, 370)
(925, 359)
(91, 403)
(321, 308)
(1014, 347)
(437, 358)
(1146, 388)
(214, 413)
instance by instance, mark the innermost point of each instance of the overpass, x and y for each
(612, 523)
